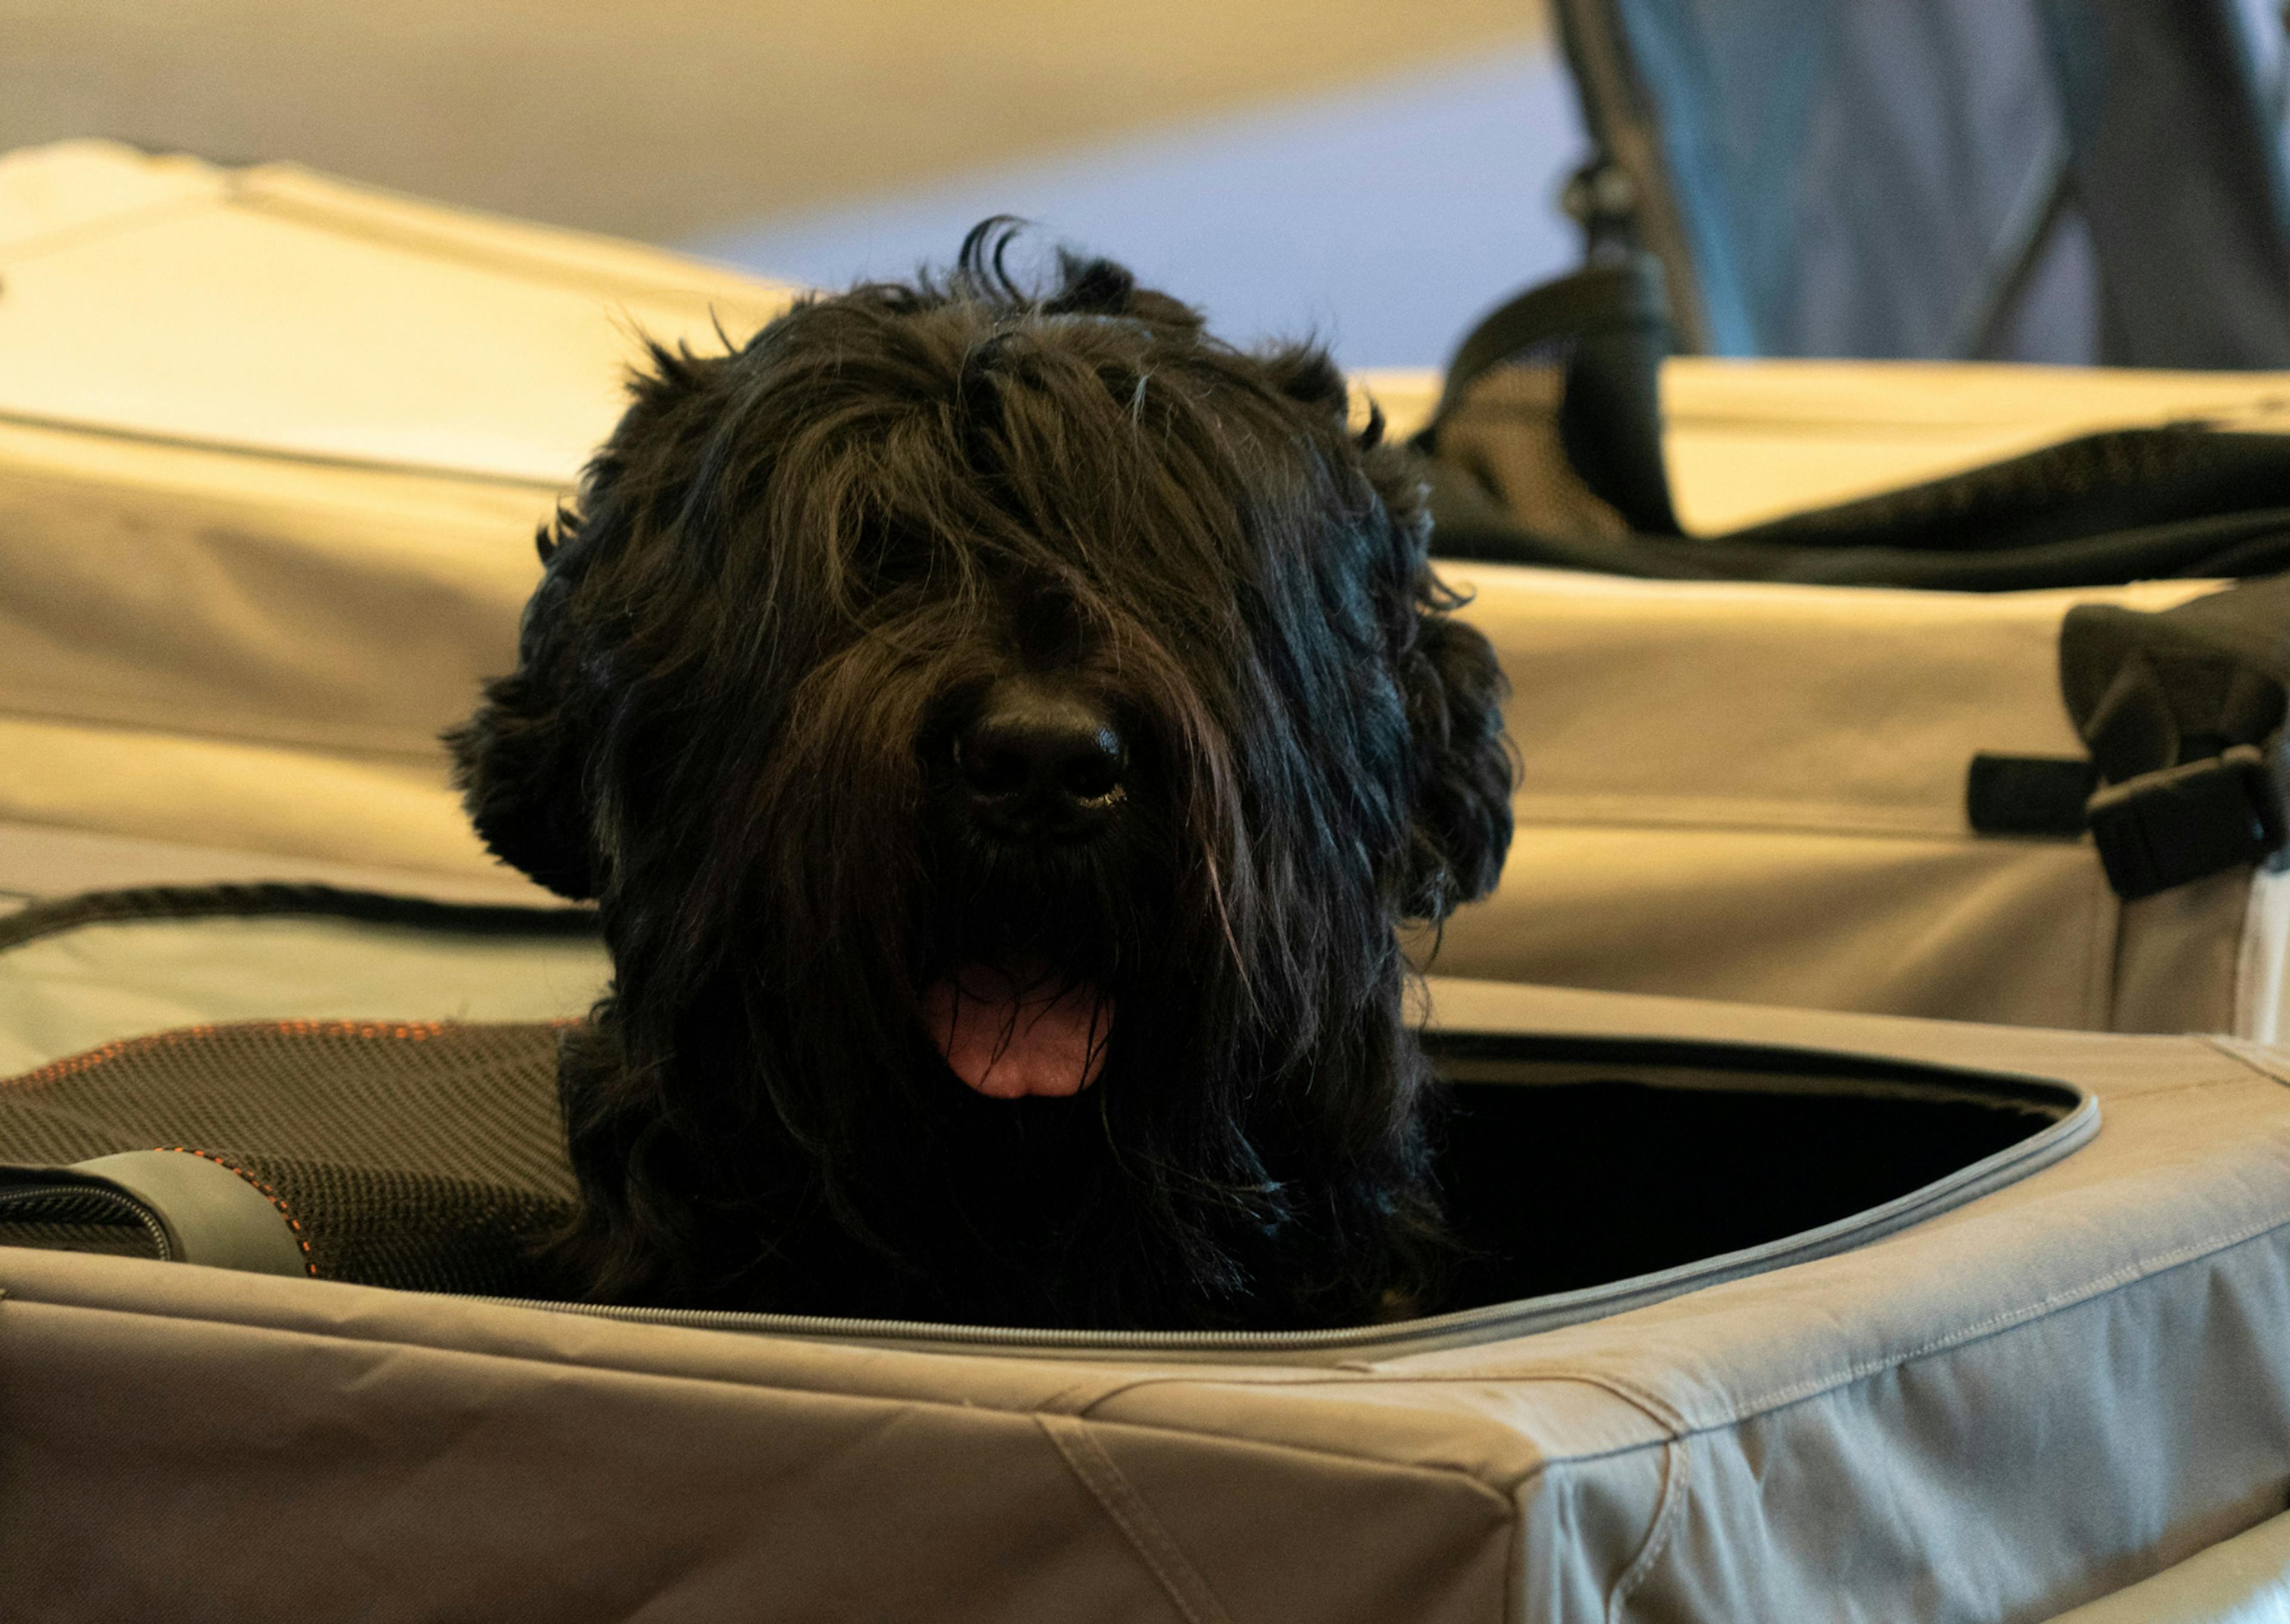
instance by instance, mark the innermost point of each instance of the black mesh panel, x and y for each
(407, 1154)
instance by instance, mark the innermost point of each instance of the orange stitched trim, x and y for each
(416, 1030)
(293, 1222)
(71, 1066)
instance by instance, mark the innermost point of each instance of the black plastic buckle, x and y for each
(2162, 829)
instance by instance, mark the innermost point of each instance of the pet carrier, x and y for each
(1780, 1314)
(2024, 806)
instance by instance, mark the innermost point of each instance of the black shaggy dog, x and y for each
(1002, 731)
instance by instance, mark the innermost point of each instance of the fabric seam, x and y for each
(2235, 1050)
(368, 216)
(439, 472)
(1187, 1590)
(302, 1237)
(87, 1059)
(2103, 1286)
(2106, 1285)
(1814, 819)
(2102, 935)
(276, 899)
(1666, 1515)
(1461, 1474)
(1678, 1428)
(383, 747)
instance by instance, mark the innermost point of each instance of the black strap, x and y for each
(2183, 711)
(2182, 499)
(1608, 327)
(2028, 794)
(2165, 828)
(268, 899)
(1629, 292)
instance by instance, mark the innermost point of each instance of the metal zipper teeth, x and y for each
(1448, 1330)
(144, 1218)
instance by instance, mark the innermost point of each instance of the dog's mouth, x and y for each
(1012, 1030)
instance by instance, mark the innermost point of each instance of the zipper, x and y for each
(83, 1196)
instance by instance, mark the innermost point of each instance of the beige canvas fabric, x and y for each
(2054, 1392)
(2242, 1581)
(1758, 793)
(92, 985)
(272, 449)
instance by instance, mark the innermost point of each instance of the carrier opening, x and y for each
(1585, 1176)
(1567, 1165)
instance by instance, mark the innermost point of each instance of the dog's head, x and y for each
(960, 687)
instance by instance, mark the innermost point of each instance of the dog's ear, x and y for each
(519, 761)
(1462, 817)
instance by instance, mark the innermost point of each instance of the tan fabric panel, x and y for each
(1840, 710)
(46, 861)
(2021, 1404)
(1758, 793)
(211, 653)
(2262, 968)
(383, 812)
(229, 596)
(1849, 430)
(272, 451)
(2242, 1581)
(46, 192)
(461, 1461)
(272, 308)
(233, 651)
(2180, 960)
(86, 986)
(2018, 932)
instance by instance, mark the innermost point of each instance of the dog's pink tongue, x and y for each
(1008, 1038)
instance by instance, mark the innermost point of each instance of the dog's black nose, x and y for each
(1039, 759)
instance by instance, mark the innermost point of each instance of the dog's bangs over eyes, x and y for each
(1022, 506)
(1071, 456)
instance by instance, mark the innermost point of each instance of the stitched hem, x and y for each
(302, 1237)
(1155, 1545)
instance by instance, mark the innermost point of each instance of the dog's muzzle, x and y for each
(1040, 761)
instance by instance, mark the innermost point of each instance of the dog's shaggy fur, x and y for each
(794, 580)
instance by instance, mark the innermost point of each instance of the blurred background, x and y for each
(1374, 173)
(2057, 181)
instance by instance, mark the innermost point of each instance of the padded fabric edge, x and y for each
(213, 1213)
